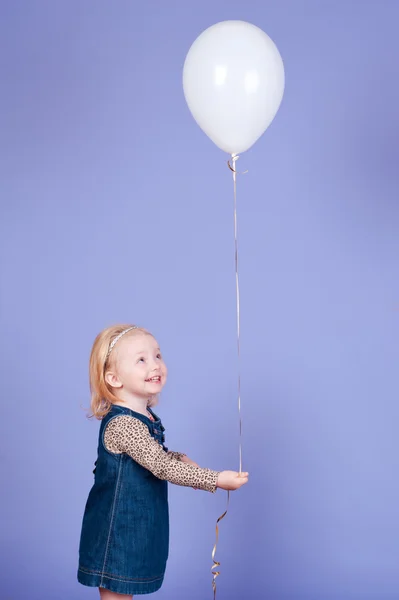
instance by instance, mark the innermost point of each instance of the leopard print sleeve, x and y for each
(177, 455)
(131, 436)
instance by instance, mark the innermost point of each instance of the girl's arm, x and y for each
(187, 460)
(177, 455)
(131, 436)
(183, 457)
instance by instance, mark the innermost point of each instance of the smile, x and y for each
(156, 379)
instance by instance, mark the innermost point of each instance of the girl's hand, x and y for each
(231, 480)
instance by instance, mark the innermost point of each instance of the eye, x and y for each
(159, 355)
(141, 359)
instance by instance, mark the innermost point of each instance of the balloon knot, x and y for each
(234, 158)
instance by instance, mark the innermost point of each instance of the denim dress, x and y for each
(124, 541)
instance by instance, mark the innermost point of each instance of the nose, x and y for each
(155, 367)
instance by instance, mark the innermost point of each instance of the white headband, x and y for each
(118, 337)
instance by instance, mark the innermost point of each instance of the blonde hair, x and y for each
(102, 396)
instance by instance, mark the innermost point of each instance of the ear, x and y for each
(112, 379)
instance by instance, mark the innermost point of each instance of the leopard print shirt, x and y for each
(177, 455)
(131, 436)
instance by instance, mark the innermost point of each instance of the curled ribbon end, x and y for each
(216, 564)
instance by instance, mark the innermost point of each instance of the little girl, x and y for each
(124, 541)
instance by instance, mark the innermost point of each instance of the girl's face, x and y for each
(138, 365)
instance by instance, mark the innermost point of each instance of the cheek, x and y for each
(130, 374)
(140, 371)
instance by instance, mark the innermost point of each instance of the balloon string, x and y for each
(216, 564)
(234, 158)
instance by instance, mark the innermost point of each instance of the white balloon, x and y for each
(233, 81)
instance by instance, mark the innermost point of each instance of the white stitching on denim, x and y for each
(142, 580)
(112, 518)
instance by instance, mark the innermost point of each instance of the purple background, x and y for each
(116, 207)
